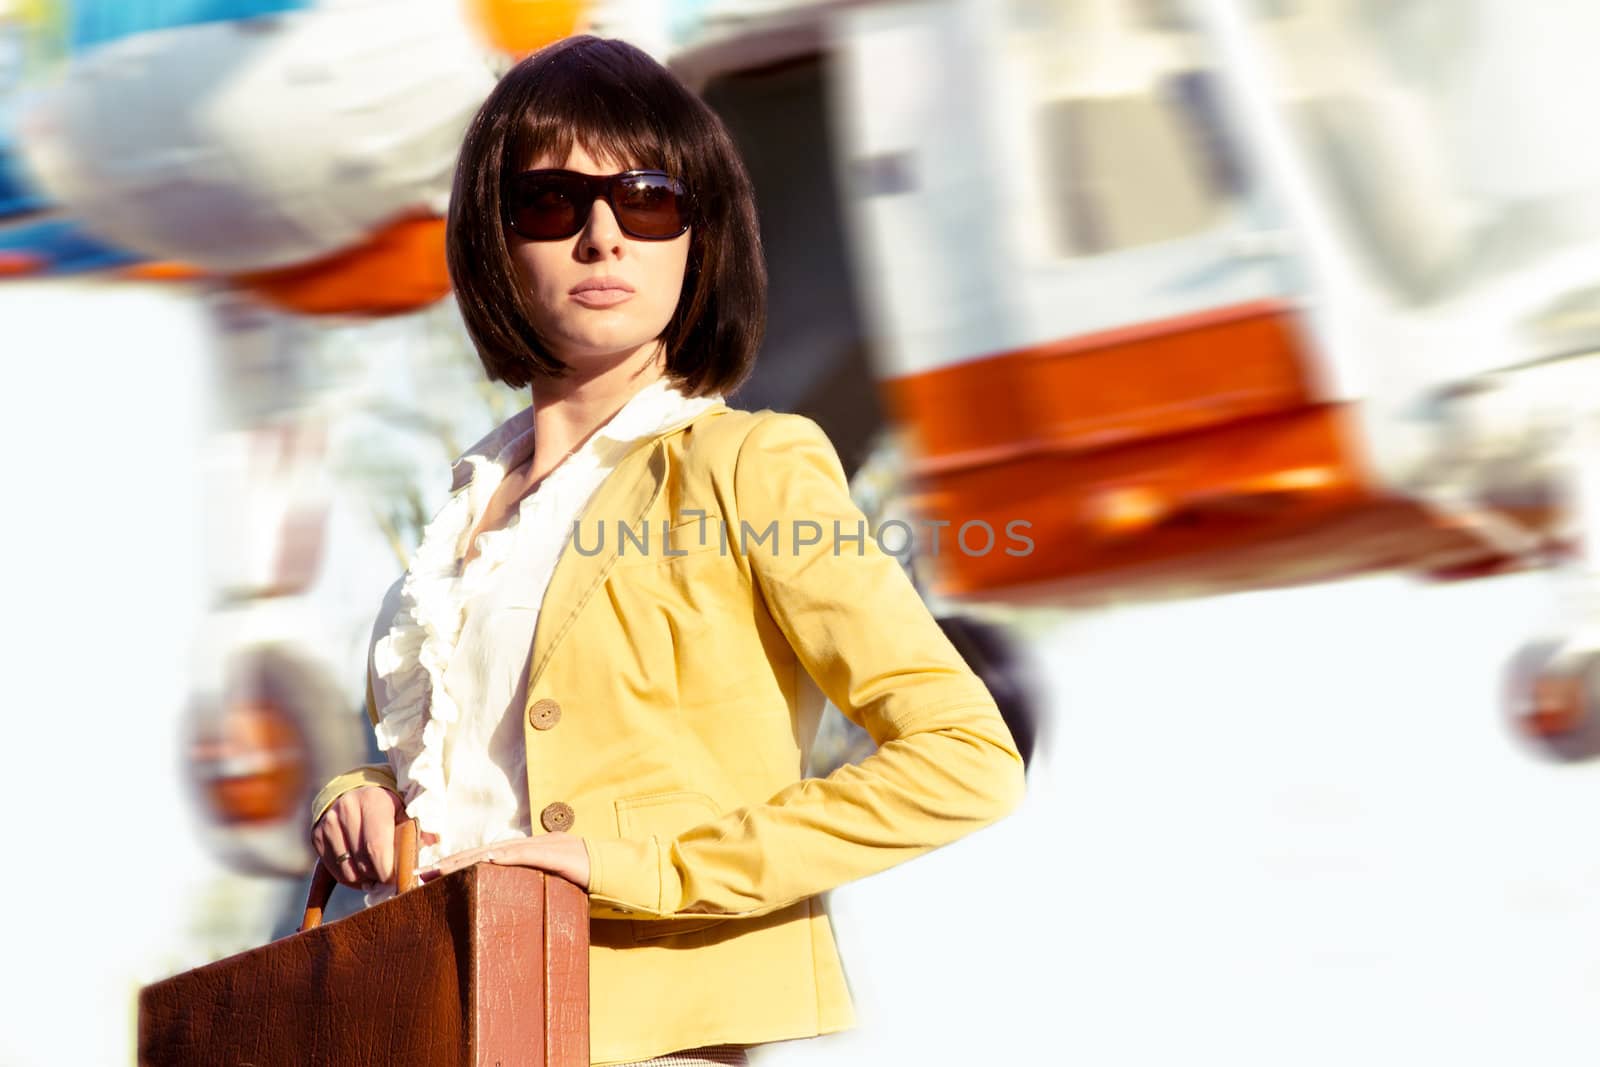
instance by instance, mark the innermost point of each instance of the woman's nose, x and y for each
(601, 236)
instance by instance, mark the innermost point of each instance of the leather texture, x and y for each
(486, 966)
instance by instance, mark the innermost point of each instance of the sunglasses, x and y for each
(552, 205)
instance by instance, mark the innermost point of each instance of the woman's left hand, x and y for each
(558, 852)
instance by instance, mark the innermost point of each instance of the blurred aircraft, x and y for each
(35, 237)
(298, 149)
(1168, 299)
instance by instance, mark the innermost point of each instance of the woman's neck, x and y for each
(568, 410)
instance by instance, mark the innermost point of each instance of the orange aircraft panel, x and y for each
(399, 269)
(1173, 459)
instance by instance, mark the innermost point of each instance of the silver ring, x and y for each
(341, 858)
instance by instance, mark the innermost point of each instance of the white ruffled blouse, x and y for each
(449, 655)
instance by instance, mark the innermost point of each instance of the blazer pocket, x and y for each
(666, 815)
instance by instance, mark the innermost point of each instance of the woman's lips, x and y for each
(601, 292)
(601, 298)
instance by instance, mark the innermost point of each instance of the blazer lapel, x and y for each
(624, 497)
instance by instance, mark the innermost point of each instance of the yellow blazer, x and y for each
(670, 713)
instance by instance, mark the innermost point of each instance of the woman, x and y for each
(605, 660)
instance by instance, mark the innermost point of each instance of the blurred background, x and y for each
(1241, 352)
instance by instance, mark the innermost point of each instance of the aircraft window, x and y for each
(1124, 171)
(1129, 138)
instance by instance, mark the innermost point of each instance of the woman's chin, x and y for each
(601, 348)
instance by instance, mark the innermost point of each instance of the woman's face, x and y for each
(586, 326)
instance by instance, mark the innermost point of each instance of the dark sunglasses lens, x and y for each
(651, 205)
(546, 207)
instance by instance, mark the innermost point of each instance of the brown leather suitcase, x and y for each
(486, 966)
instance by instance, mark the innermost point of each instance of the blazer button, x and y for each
(556, 817)
(544, 714)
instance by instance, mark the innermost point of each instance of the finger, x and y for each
(320, 835)
(451, 864)
(328, 838)
(350, 819)
(336, 843)
(366, 871)
(378, 812)
(460, 860)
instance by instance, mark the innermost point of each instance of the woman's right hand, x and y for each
(355, 836)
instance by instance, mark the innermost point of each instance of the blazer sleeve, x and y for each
(945, 765)
(366, 774)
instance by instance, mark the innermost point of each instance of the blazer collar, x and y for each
(626, 496)
(657, 409)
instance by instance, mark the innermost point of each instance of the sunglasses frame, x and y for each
(603, 186)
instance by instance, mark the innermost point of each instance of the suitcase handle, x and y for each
(405, 874)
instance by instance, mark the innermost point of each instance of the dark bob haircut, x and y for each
(616, 102)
